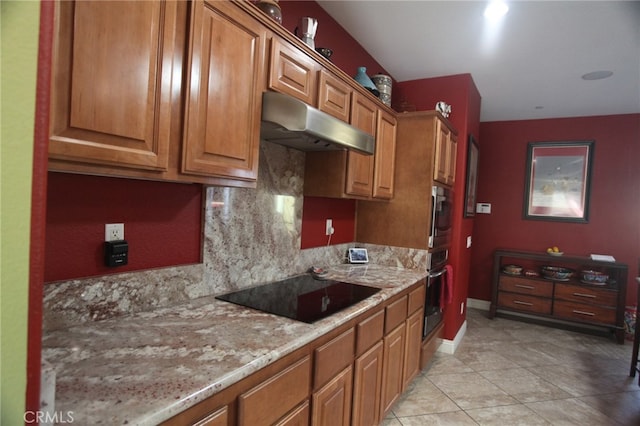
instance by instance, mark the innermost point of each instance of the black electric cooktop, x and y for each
(301, 298)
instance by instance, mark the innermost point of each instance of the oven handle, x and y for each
(432, 231)
(437, 274)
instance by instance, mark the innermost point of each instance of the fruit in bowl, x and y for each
(554, 251)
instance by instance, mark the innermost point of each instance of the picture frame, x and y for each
(558, 181)
(471, 185)
(358, 255)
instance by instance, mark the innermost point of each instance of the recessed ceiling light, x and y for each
(597, 75)
(496, 10)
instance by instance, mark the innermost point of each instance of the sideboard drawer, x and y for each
(584, 312)
(584, 294)
(523, 302)
(526, 286)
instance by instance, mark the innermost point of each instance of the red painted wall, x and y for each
(348, 54)
(316, 211)
(461, 93)
(613, 226)
(162, 224)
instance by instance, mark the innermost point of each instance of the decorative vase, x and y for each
(271, 8)
(364, 80)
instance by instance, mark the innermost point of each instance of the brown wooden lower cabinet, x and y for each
(367, 387)
(350, 376)
(332, 403)
(392, 368)
(413, 342)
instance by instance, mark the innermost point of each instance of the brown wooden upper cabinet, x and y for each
(172, 90)
(111, 87)
(445, 158)
(117, 93)
(341, 174)
(224, 92)
(292, 72)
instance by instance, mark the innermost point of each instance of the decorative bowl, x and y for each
(325, 51)
(594, 277)
(512, 269)
(556, 273)
(556, 253)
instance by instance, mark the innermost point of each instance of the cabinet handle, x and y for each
(517, 302)
(591, 314)
(528, 287)
(592, 296)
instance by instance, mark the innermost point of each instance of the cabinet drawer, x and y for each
(583, 294)
(526, 286)
(271, 400)
(416, 299)
(584, 312)
(369, 332)
(395, 315)
(523, 302)
(333, 357)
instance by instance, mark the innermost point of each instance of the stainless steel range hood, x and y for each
(289, 121)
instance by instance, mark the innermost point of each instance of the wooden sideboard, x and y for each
(569, 301)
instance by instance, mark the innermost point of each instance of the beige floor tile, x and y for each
(570, 412)
(524, 385)
(624, 407)
(506, 415)
(446, 364)
(458, 418)
(511, 373)
(471, 390)
(423, 397)
(484, 360)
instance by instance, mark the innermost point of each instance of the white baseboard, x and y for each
(450, 346)
(478, 304)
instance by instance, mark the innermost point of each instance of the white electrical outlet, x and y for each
(114, 231)
(461, 308)
(329, 227)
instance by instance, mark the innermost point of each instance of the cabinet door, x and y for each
(292, 72)
(360, 166)
(413, 342)
(385, 156)
(393, 358)
(334, 96)
(441, 163)
(367, 387)
(223, 92)
(332, 403)
(111, 88)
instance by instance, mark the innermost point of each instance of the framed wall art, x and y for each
(558, 181)
(472, 178)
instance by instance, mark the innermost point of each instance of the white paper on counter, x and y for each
(603, 258)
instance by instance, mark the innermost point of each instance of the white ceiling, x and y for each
(534, 59)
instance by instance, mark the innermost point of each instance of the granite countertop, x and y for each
(145, 368)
